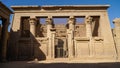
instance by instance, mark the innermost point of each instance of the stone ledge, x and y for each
(41, 38)
(82, 39)
(98, 39)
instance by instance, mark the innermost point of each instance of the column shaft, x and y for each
(48, 30)
(70, 44)
(70, 32)
(53, 44)
(88, 26)
(49, 35)
(33, 22)
(88, 30)
(4, 38)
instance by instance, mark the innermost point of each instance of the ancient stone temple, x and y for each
(87, 34)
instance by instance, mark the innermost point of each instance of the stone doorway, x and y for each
(61, 48)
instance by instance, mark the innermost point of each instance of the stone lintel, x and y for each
(60, 7)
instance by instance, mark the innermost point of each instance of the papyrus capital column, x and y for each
(88, 23)
(71, 22)
(70, 33)
(33, 22)
(49, 23)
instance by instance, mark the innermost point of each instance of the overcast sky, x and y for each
(113, 11)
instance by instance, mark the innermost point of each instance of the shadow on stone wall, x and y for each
(95, 31)
(24, 48)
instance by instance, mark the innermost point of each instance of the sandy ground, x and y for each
(29, 64)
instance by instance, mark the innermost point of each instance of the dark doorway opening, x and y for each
(61, 37)
(61, 50)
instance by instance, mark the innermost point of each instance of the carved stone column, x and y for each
(70, 33)
(70, 44)
(117, 35)
(49, 35)
(4, 38)
(33, 22)
(89, 34)
(88, 26)
(53, 43)
(49, 23)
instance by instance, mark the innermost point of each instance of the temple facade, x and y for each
(87, 34)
